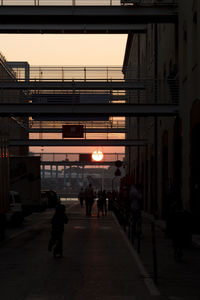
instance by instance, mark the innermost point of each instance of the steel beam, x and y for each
(76, 142)
(86, 130)
(34, 19)
(73, 28)
(78, 110)
(72, 85)
(21, 65)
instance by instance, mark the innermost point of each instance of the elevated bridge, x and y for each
(77, 142)
(61, 110)
(46, 17)
(86, 130)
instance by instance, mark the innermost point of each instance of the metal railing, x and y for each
(64, 157)
(61, 2)
(86, 2)
(66, 73)
(88, 124)
(149, 2)
(166, 90)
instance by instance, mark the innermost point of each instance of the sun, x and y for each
(97, 155)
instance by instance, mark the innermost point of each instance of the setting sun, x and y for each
(97, 155)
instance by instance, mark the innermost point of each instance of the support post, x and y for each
(64, 176)
(83, 174)
(56, 172)
(70, 174)
(77, 175)
(51, 168)
(43, 171)
(155, 204)
(155, 271)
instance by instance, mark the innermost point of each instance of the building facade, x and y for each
(166, 59)
(12, 128)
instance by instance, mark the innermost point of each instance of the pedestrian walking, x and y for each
(135, 199)
(179, 229)
(104, 196)
(81, 197)
(100, 204)
(89, 200)
(56, 241)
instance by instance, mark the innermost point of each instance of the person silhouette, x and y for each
(59, 219)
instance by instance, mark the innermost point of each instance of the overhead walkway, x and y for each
(72, 85)
(42, 109)
(76, 142)
(110, 126)
(85, 84)
(86, 130)
(46, 17)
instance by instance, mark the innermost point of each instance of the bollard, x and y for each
(155, 271)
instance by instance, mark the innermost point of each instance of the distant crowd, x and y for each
(88, 196)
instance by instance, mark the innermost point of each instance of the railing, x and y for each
(61, 2)
(65, 73)
(132, 226)
(86, 2)
(64, 157)
(149, 2)
(166, 90)
(128, 222)
(88, 124)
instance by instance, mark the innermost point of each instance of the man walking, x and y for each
(89, 199)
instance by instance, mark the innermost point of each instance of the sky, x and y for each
(49, 49)
(63, 50)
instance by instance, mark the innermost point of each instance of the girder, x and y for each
(78, 110)
(73, 28)
(72, 85)
(86, 130)
(39, 19)
(76, 142)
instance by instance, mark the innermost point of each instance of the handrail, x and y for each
(86, 3)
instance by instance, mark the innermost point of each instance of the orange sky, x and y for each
(65, 50)
(49, 49)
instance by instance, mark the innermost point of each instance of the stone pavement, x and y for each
(98, 263)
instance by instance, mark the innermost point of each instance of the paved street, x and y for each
(97, 263)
